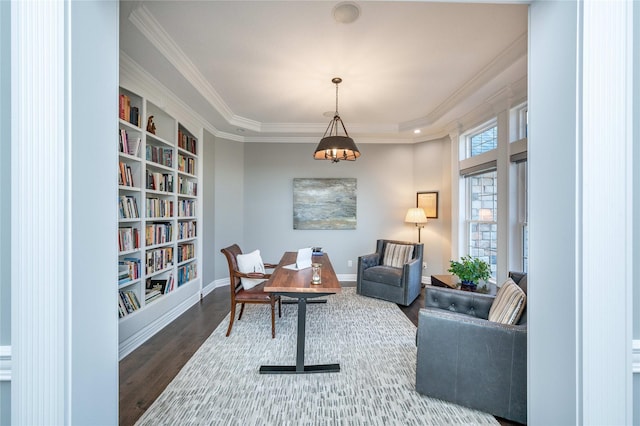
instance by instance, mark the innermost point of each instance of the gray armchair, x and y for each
(466, 359)
(401, 285)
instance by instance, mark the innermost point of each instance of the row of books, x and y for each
(187, 187)
(157, 207)
(125, 177)
(159, 155)
(127, 302)
(186, 208)
(129, 147)
(187, 142)
(128, 270)
(158, 259)
(127, 112)
(159, 181)
(128, 207)
(186, 252)
(186, 230)
(158, 233)
(128, 239)
(186, 164)
(187, 273)
(155, 288)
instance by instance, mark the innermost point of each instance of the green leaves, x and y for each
(470, 269)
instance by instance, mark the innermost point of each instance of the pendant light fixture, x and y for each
(333, 146)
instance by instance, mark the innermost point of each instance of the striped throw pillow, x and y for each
(396, 255)
(508, 306)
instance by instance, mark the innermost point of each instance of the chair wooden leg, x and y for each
(231, 317)
(241, 311)
(273, 318)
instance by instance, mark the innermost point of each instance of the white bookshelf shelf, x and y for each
(170, 145)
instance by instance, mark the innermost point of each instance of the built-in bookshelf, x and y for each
(157, 206)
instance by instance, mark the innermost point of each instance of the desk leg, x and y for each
(300, 368)
(302, 323)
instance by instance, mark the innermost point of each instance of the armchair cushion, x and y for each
(384, 274)
(509, 304)
(248, 263)
(396, 255)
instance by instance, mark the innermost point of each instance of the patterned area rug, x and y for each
(373, 341)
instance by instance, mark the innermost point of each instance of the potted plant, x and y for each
(470, 270)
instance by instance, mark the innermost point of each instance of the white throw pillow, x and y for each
(508, 306)
(396, 255)
(250, 262)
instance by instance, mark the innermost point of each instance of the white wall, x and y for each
(93, 375)
(432, 172)
(5, 206)
(207, 224)
(385, 190)
(580, 159)
(63, 247)
(228, 193)
(552, 392)
(636, 205)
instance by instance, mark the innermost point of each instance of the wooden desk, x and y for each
(297, 284)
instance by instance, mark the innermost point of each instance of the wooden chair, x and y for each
(253, 295)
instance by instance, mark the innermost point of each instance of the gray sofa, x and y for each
(398, 285)
(466, 359)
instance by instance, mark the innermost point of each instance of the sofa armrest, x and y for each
(466, 302)
(472, 362)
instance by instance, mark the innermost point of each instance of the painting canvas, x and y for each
(328, 203)
(428, 201)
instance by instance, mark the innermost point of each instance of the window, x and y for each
(482, 217)
(498, 237)
(483, 142)
(523, 213)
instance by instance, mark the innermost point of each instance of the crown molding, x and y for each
(506, 58)
(316, 139)
(135, 78)
(144, 21)
(150, 28)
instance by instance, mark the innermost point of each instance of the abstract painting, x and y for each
(324, 203)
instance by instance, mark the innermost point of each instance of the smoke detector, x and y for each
(346, 12)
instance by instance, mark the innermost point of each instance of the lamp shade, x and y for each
(415, 215)
(336, 148)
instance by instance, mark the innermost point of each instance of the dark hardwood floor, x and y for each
(147, 371)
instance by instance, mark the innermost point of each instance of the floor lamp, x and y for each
(416, 215)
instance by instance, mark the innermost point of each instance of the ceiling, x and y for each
(262, 70)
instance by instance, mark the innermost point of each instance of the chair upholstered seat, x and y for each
(384, 274)
(379, 276)
(254, 294)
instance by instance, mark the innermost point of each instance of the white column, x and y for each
(606, 127)
(38, 150)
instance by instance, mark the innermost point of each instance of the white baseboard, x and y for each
(347, 277)
(137, 339)
(213, 285)
(635, 357)
(5, 363)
